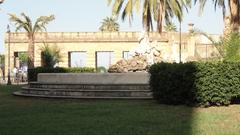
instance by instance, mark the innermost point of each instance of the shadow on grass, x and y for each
(98, 117)
(40, 116)
(196, 84)
(173, 85)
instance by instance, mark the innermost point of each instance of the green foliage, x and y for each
(110, 117)
(23, 57)
(232, 47)
(109, 24)
(170, 27)
(158, 11)
(196, 83)
(50, 56)
(231, 7)
(228, 47)
(32, 73)
(26, 23)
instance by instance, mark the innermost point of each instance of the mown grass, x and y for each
(36, 116)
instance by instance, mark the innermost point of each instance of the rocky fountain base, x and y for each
(138, 62)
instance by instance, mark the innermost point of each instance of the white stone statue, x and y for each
(143, 55)
(143, 45)
(143, 48)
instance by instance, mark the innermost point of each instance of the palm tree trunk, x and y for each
(30, 51)
(161, 16)
(146, 26)
(159, 23)
(234, 11)
(147, 21)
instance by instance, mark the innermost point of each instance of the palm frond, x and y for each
(117, 7)
(18, 22)
(28, 22)
(128, 11)
(41, 22)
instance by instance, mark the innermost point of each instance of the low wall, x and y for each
(94, 78)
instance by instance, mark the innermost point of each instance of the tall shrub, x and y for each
(50, 56)
(195, 83)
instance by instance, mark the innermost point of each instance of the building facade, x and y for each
(101, 49)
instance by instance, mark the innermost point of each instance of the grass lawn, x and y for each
(35, 116)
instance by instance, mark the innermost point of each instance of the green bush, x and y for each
(50, 56)
(195, 83)
(232, 47)
(32, 73)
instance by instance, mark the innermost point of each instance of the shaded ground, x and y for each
(31, 116)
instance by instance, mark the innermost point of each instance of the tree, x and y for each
(23, 56)
(160, 11)
(170, 27)
(50, 56)
(232, 48)
(2, 60)
(109, 24)
(234, 10)
(26, 24)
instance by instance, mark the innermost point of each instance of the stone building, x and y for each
(97, 49)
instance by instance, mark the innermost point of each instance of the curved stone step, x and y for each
(90, 86)
(20, 93)
(97, 90)
(87, 93)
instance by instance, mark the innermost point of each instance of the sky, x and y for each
(86, 16)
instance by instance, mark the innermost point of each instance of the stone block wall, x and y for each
(91, 42)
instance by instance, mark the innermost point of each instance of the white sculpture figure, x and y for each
(143, 45)
(143, 55)
(143, 48)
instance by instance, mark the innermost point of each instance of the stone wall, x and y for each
(75, 37)
(91, 42)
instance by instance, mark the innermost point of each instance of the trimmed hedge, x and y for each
(195, 83)
(32, 73)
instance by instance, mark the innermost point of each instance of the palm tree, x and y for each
(109, 24)
(167, 9)
(26, 24)
(160, 11)
(170, 27)
(51, 56)
(234, 10)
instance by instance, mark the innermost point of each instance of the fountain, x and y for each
(144, 55)
(114, 85)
